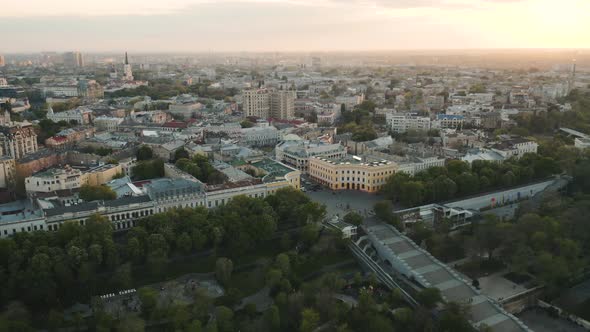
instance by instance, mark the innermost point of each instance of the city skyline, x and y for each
(293, 25)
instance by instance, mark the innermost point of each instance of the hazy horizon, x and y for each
(198, 26)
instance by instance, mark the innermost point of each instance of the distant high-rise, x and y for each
(73, 59)
(127, 73)
(2, 61)
(264, 103)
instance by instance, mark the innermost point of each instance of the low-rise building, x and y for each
(82, 116)
(70, 178)
(69, 137)
(260, 136)
(107, 123)
(297, 153)
(449, 121)
(515, 147)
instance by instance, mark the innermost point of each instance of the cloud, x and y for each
(44, 8)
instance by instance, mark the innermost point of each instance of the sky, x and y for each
(290, 25)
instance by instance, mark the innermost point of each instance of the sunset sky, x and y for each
(291, 25)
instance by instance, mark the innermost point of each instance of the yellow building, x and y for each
(101, 174)
(352, 173)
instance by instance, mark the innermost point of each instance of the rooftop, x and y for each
(273, 167)
(430, 272)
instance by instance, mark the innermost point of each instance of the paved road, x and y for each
(341, 202)
(485, 200)
(539, 321)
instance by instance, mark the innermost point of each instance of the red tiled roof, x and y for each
(175, 124)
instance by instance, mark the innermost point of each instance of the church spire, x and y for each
(126, 59)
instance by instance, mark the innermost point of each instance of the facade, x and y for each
(256, 103)
(80, 115)
(69, 137)
(159, 195)
(18, 139)
(54, 179)
(73, 59)
(282, 104)
(449, 121)
(269, 103)
(400, 123)
(260, 136)
(60, 90)
(7, 172)
(90, 89)
(351, 173)
(185, 110)
(70, 178)
(298, 153)
(515, 147)
(107, 123)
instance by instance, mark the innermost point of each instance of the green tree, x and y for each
(490, 234)
(353, 218)
(131, 324)
(148, 297)
(246, 124)
(429, 297)
(94, 193)
(224, 317)
(223, 270)
(184, 243)
(144, 153)
(283, 263)
(181, 153)
(273, 318)
(309, 320)
(122, 278)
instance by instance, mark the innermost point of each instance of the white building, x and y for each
(297, 153)
(449, 121)
(515, 147)
(260, 136)
(80, 115)
(107, 123)
(400, 123)
(582, 143)
(54, 179)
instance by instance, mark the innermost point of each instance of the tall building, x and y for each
(2, 61)
(269, 103)
(73, 59)
(17, 139)
(282, 104)
(127, 73)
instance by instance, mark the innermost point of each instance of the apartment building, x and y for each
(401, 123)
(269, 103)
(18, 139)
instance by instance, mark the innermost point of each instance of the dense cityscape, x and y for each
(336, 191)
